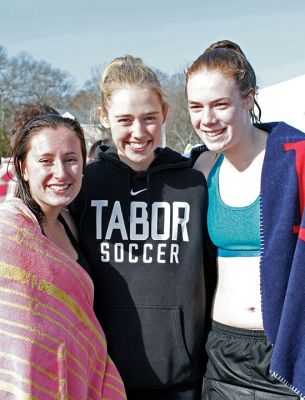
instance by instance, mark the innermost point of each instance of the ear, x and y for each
(249, 101)
(164, 113)
(103, 118)
(24, 172)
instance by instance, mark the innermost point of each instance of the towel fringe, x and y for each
(294, 389)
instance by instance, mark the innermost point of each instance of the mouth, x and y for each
(59, 188)
(215, 132)
(139, 146)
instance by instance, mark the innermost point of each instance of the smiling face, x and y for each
(219, 114)
(135, 118)
(53, 168)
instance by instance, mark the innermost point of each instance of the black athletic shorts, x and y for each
(183, 392)
(238, 365)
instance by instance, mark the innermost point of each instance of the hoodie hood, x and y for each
(165, 158)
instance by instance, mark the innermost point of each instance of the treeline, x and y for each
(24, 79)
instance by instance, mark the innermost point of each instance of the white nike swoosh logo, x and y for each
(135, 193)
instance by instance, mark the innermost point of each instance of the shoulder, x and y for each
(17, 216)
(96, 173)
(190, 177)
(205, 162)
(280, 131)
(93, 166)
(179, 166)
(101, 167)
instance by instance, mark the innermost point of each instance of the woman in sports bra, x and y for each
(252, 220)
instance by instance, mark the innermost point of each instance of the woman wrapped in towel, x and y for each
(52, 346)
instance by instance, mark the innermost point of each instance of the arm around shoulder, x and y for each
(205, 162)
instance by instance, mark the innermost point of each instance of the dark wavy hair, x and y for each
(21, 147)
(227, 57)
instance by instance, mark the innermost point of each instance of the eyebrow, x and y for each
(193, 102)
(130, 115)
(213, 101)
(51, 154)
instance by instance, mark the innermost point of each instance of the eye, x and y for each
(221, 104)
(195, 107)
(45, 161)
(150, 118)
(124, 121)
(71, 160)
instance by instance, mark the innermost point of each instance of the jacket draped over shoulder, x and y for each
(283, 252)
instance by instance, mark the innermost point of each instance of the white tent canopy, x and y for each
(284, 101)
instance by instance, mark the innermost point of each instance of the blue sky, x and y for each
(78, 35)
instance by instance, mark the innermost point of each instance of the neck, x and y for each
(51, 217)
(244, 152)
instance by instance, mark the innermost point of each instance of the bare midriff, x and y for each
(237, 300)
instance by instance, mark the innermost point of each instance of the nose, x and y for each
(138, 130)
(59, 169)
(208, 117)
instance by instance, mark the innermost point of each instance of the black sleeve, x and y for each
(77, 207)
(210, 270)
(196, 151)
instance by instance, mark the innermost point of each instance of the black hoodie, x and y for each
(144, 236)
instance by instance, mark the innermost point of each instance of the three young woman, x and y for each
(255, 218)
(140, 217)
(52, 345)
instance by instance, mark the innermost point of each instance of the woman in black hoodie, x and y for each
(142, 222)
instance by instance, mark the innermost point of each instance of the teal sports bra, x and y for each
(235, 231)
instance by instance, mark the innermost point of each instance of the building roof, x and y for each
(284, 101)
